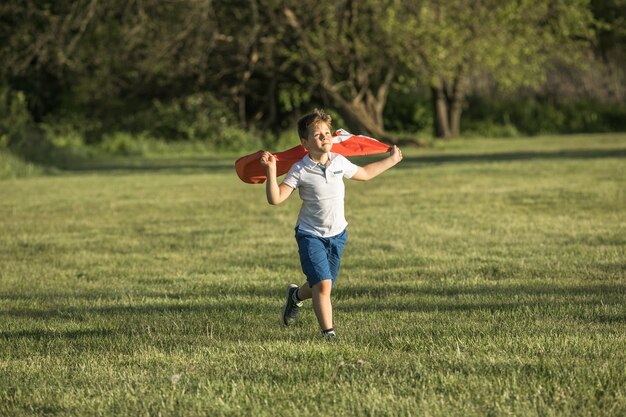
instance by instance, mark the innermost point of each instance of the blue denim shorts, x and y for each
(320, 257)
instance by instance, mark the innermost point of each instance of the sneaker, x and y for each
(330, 336)
(290, 309)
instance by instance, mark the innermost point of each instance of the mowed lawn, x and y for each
(481, 277)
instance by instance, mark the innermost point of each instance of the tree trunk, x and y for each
(241, 107)
(364, 113)
(272, 106)
(359, 117)
(456, 107)
(447, 108)
(455, 120)
(440, 109)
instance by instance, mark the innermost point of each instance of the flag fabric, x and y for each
(250, 170)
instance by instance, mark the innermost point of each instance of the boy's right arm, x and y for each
(275, 193)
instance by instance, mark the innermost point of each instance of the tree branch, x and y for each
(91, 11)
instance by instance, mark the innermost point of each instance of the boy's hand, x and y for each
(268, 160)
(395, 154)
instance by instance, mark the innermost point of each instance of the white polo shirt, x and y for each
(322, 193)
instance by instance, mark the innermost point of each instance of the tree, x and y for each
(343, 52)
(513, 41)
(269, 58)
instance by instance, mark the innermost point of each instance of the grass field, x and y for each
(481, 277)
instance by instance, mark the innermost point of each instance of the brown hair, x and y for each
(311, 119)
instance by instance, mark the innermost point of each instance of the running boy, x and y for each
(321, 227)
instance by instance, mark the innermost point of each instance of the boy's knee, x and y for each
(323, 287)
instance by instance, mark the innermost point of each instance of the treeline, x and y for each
(217, 70)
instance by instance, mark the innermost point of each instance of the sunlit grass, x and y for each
(481, 277)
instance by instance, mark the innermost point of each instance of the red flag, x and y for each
(250, 170)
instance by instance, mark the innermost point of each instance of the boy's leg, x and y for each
(305, 292)
(322, 305)
(314, 258)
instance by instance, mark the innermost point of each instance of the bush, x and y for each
(122, 143)
(489, 129)
(285, 140)
(15, 119)
(197, 117)
(72, 128)
(533, 116)
(128, 144)
(11, 166)
(409, 113)
(235, 139)
(41, 144)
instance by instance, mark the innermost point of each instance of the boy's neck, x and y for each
(321, 158)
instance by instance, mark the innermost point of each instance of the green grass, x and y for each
(482, 277)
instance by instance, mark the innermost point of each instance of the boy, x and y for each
(321, 227)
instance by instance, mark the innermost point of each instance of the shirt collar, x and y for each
(310, 163)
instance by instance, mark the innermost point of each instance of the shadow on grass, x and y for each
(409, 162)
(169, 325)
(460, 158)
(223, 301)
(143, 308)
(140, 165)
(506, 292)
(222, 164)
(41, 334)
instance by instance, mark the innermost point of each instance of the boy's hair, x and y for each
(311, 119)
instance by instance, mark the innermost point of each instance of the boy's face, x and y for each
(319, 139)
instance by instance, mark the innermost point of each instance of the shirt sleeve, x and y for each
(292, 178)
(349, 169)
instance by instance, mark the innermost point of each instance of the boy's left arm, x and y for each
(372, 170)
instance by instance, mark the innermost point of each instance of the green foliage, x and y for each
(32, 145)
(129, 144)
(533, 116)
(235, 139)
(72, 126)
(123, 143)
(446, 44)
(285, 140)
(338, 121)
(140, 67)
(611, 19)
(11, 166)
(198, 117)
(64, 136)
(293, 98)
(15, 119)
(53, 142)
(489, 129)
(407, 112)
(195, 117)
(50, 145)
